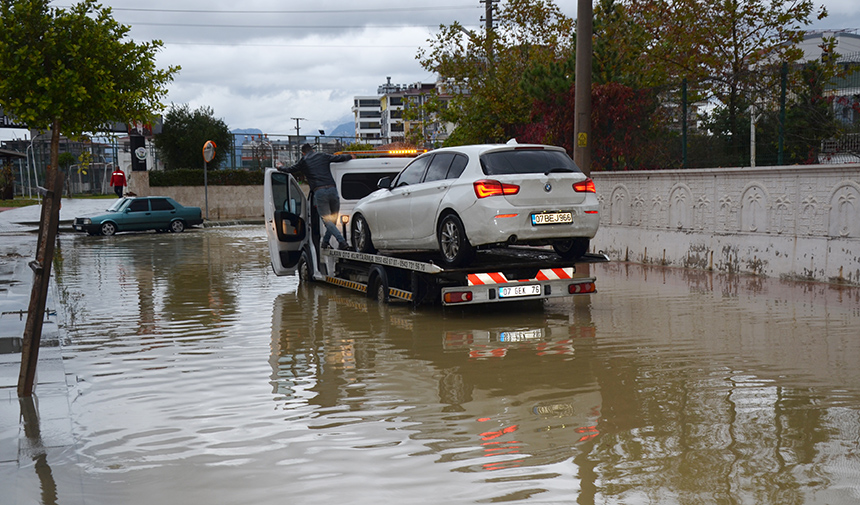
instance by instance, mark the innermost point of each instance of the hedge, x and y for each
(194, 177)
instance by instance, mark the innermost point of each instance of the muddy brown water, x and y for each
(200, 377)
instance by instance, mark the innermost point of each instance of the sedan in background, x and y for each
(141, 214)
(454, 200)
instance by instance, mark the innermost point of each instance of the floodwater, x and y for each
(200, 377)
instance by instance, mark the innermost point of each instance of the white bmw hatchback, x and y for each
(457, 199)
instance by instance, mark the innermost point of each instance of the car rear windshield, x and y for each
(526, 161)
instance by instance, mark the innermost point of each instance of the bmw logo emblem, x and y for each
(547, 187)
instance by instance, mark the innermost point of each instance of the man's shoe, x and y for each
(325, 246)
(343, 246)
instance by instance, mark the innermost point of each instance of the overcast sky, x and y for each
(259, 63)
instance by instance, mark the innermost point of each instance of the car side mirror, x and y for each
(384, 183)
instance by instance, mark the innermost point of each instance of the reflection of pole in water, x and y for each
(33, 432)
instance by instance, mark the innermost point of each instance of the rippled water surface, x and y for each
(203, 378)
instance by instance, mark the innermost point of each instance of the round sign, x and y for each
(208, 151)
(140, 152)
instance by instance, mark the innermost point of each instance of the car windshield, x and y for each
(526, 161)
(117, 205)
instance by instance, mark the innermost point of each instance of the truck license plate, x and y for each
(526, 290)
(521, 336)
(552, 218)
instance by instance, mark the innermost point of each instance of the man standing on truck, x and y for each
(317, 169)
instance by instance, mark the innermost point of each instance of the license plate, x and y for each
(513, 291)
(552, 218)
(521, 336)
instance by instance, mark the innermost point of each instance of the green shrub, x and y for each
(194, 177)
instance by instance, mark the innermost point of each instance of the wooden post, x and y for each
(42, 276)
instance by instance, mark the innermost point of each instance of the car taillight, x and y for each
(586, 186)
(489, 187)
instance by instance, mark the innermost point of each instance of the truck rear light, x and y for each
(489, 187)
(582, 287)
(458, 296)
(586, 186)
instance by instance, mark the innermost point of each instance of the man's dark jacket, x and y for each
(316, 167)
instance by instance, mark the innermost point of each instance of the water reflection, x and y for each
(37, 451)
(482, 391)
(666, 386)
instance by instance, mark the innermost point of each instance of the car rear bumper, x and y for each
(495, 226)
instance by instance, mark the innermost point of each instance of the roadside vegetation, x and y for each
(724, 63)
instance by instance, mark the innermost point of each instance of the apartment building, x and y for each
(380, 119)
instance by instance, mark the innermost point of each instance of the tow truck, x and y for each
(293, 229)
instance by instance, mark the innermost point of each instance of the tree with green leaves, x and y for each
(74, 70)
(69, 71)
(482, 70)
(184, 132)
(726, 45)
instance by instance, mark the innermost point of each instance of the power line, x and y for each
(282, 27)
(310, 11)
(330, 46)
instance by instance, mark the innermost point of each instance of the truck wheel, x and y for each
(572, 248)
(108, 229)
(361, 237)
(304, 269)
(455, 247)
(177, 226)
(377, 289)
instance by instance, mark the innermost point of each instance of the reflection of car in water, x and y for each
(492, 390)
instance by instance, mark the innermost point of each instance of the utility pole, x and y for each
(297, 119)
(582, 96)
(489, 7)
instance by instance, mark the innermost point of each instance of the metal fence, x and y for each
(797, 120)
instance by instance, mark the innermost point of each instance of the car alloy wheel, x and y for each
(455, 247)
(361, 237)
(177, 226)
(108, 229)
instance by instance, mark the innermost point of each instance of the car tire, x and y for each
(108, 229)
(177, 226)
(453, 243)
(572, 248)
(362, 239)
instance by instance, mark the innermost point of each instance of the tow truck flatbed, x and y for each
(496, 275)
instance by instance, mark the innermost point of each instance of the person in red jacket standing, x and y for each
(117, 180)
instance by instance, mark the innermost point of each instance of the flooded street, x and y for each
(201, 377)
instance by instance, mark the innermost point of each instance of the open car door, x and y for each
(286, 214)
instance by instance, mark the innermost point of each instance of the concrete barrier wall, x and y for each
(799, 222)
(225, 202)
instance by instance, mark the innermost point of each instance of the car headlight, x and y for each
(86, 220)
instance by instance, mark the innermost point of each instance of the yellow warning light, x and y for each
(380, 153)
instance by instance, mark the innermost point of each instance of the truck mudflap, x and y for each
(362, 288)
